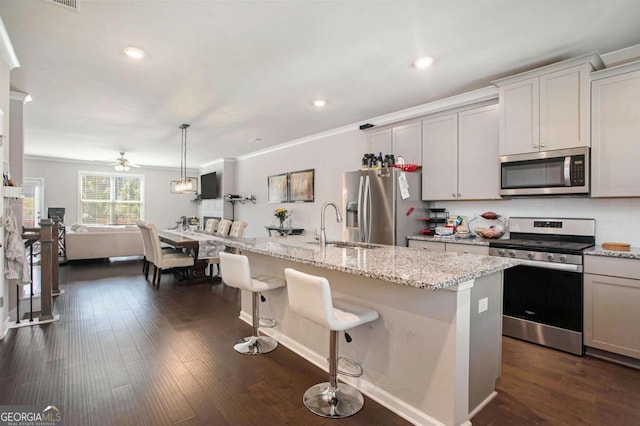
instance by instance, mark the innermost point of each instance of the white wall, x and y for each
(61, 189)
(617, 219)
(4, 153)
(225, 174)
(330, 157)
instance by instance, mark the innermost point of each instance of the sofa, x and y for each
(96, 242)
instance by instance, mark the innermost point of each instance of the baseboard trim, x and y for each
(483, 404)
(379, 395)
(5, 328)
(36, 321)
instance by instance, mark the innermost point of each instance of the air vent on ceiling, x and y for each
(69, 4)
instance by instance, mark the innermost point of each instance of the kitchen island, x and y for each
(431, 357)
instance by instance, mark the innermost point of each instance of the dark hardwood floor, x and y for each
(126, 354)
(542, 386)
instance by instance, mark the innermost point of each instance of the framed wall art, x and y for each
(277, 189)
(301, 186)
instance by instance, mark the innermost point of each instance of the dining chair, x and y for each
(145, 247)
(223, 228)
(212, 250)
(210, 226)
(165, 260)
(237, 229)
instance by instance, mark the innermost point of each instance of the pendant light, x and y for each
(184, 185)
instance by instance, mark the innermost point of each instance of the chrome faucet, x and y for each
(323, 235)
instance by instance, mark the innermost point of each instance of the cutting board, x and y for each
(616, 246)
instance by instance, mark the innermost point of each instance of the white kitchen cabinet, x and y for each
(468, 249)
(407, 142)
(404, 140)
(448, 246)
(460, 155)
(519, 117)
(427, 245)
(380, 141)
(547, 108)
(616, 125)
(440, 158)
(478, 163)
(611, 301)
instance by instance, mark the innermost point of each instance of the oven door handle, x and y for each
(552, 265)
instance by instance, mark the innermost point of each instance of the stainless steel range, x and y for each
(543, 300)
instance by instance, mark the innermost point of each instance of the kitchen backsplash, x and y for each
(617, 219)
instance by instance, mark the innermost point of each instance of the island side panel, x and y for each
(485, 351)
(415, 357)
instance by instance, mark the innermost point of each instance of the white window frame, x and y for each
(38, 182)
(82, 173)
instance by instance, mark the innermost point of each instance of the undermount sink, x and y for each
(347, 244)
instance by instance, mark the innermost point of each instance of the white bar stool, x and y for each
(310, 297)
(236, 273)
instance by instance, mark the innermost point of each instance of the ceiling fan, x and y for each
(122, 164)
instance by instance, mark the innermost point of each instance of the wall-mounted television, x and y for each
(209, 186)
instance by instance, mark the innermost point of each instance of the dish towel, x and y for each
(15, 265)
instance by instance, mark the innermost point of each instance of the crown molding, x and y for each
(468, 98)
(300, 141)
(593, 59)
(102, 163)
(217, 161)
(621, 56)
(6, 48)
(16, 95)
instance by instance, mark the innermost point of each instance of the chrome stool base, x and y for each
(255, 345)
(341, 401)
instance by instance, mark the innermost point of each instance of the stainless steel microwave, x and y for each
(560, 172)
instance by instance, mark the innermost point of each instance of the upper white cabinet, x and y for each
(478, 165)
(407, 142)
(380, 141)
(440, 158)
(547, 108)
(404, 140)
(519, 117)
(460, 155)
(616, 125)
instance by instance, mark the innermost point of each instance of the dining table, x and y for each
(189, 241)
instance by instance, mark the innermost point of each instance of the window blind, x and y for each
(111, 199)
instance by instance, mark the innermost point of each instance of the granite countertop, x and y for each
(477, 241)
(408, 266)
(634, 253)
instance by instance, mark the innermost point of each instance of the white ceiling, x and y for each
(241, 70)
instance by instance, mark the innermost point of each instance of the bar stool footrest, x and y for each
(342, 401)
(359, 371)
(267, 322)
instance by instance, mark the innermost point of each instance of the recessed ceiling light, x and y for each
(422, 63)
(134, 52)
(319, 103)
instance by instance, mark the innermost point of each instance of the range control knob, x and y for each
(500, 252)
(512, 253)
(530, 255)
(563, 258)
(549, 256)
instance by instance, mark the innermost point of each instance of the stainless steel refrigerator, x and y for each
(375, 209)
